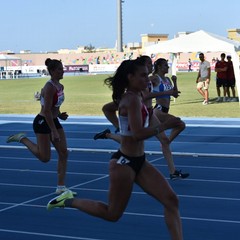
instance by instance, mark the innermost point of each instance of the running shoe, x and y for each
(205, 102)
(59, 200)
(62, 189)
(102, 135)
(16, 138)
(178, 175)
(234, 99)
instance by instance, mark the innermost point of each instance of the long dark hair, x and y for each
(119, 81)
(144, 58)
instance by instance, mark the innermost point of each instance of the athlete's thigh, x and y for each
(162, 116)
(154, 183)
(121, 179)
(44, 144)
(62, 144)
(154, 120)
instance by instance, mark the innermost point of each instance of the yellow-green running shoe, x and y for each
(16, 138)
(59, 200)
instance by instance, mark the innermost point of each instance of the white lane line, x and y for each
(185, 218)
(77, 187)
(98, 150)
(46, 234)
(51, 172)
(50, 194)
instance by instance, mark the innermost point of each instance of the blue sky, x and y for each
(49, 25)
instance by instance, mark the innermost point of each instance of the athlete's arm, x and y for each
(49, 92)
(110, 112)
(150, 95)
(134, 112)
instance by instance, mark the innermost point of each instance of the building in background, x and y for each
(234, 34)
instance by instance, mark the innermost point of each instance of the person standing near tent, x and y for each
(203, 78)
(221, 70)
(221, 78)
(231, 80)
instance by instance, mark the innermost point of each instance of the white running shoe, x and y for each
(205, 102)
(62, 189)
(16, 138)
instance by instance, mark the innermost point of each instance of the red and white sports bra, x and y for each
(58, 97)
(124, 125)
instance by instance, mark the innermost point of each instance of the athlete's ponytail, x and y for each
(119, 81)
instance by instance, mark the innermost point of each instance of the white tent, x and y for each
(199, 41)
(8, 58)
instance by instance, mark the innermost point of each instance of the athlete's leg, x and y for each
(61, 148)
(121, 184)
(153, 183)
(42, 150)
(115, 137)
(164, 140)
(163, 117)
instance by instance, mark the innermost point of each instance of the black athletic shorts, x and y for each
(40, 125)
(135, 163)
(161, 108)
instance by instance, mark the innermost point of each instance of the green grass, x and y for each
(85, 95)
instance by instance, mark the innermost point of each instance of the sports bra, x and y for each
(124, 125)
(58, 97)
(163, 86)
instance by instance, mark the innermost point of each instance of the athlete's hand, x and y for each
(176, 94)
(174, 78)
(63, 116)
(55, 136)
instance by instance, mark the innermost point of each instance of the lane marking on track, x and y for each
(47, 235)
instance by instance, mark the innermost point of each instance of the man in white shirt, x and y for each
(203, 78)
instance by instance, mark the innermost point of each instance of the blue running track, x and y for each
(209, 149)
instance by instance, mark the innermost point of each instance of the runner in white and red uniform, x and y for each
(129, 165)
(47, 126)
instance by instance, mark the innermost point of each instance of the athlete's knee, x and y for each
(165, 141)
(114, 216)
(172, 201)
(63, 153)
(182, 125)
(44, 158)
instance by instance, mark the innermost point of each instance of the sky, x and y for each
(50, 25)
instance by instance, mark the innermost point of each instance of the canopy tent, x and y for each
(199, 41)
(8, 58)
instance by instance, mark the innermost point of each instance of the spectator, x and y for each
(203, 78)
(231, 80)
(221, 70)
(189, 65)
